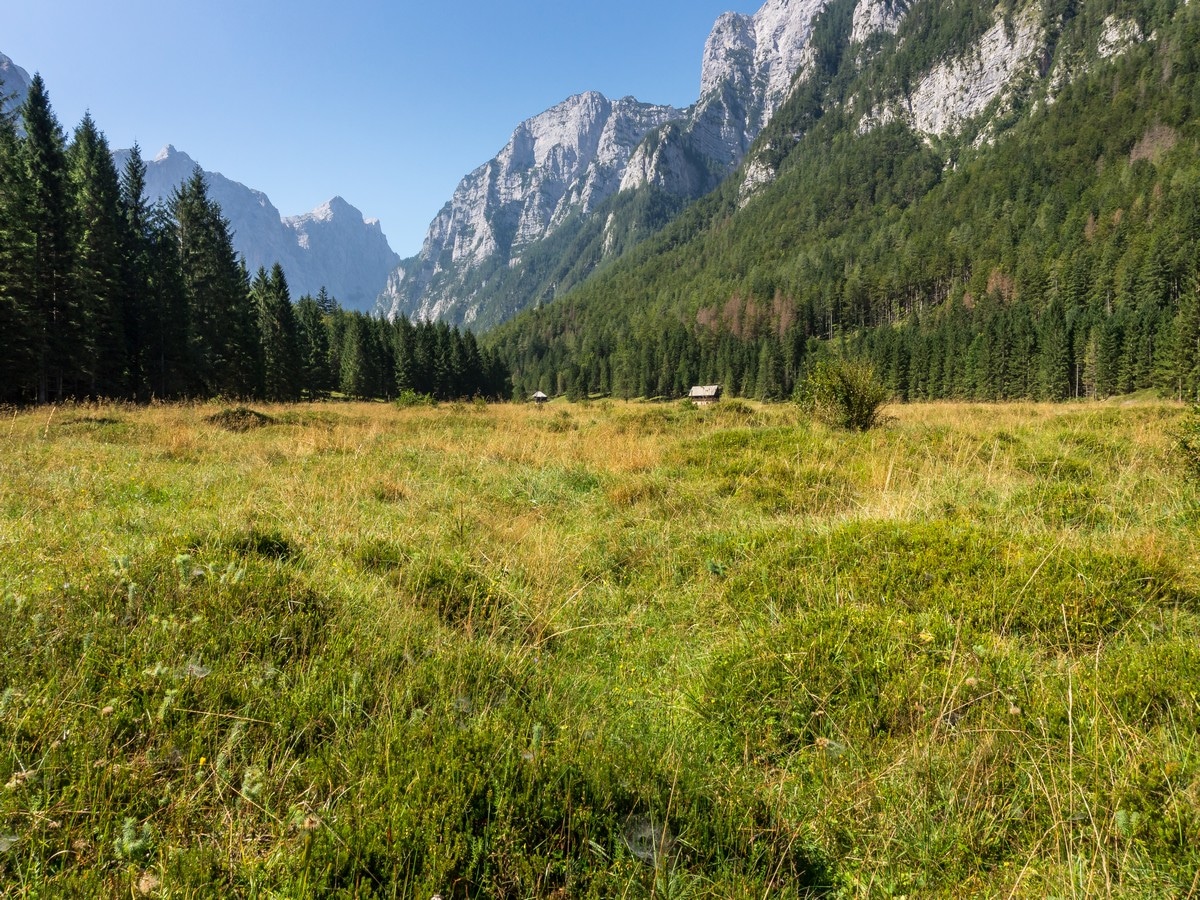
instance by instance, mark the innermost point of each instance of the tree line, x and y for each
(104, 295)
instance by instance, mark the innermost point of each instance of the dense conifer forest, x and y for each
(105, 296)
(1049, 251)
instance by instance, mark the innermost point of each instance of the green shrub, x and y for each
(1188, 441)
(409, 398)
(846, 394)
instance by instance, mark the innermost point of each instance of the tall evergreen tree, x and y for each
(357, 374)
(383, 353)
(326, 303)
(19, 328)
(58, 322)
(279, 332)
(99, 245)
(164, 312)
(138, 313)
(1055, 355)
(1181, 362)
(223, 337)
(404, 340)
(314, 349)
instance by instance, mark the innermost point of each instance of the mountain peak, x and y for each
(335, 207)
(762, 52)
(332, 246)
(167, 152)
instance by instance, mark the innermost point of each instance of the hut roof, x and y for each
(705, 392)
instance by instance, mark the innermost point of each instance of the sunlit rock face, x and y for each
(955, 91)
(568, 160)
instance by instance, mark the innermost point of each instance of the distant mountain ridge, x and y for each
(499, 246)
(333, 246)
(565, 161)
(987, 201)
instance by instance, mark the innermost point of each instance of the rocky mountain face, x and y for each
(985, 200)
(750, 64)
(957, 90)
(563, 162)
(332, 247)
(872, 17)
(14, 85)
(975, 85)
(560, 166)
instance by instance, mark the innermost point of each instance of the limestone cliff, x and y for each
(561, 165)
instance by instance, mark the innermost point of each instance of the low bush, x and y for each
(846, 394)
(1188, 442)
(409, 398)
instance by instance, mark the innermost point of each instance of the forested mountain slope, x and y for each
(994, 201)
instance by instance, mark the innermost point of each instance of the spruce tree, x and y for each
(383, 354)
(19, 328)
(314, 349)
(356, 375)
(279, 333)
(325, 303)
(138, 315)
(474, 378)
(1178, 348)
(223, 340)
(164, 312)
(1185, 374)
(99, 245)
(58, 323)
(336, 323)
(1054, 355)
(404, 339)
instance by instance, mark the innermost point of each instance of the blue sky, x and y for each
(386, 104)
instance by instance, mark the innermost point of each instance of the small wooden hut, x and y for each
(539, 397)
(705, 394)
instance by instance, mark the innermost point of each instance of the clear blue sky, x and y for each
(388, 104)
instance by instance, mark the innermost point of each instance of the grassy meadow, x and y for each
(598, 650)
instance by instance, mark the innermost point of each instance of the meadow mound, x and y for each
(239, 419)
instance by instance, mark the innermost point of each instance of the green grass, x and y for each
(606, 650)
